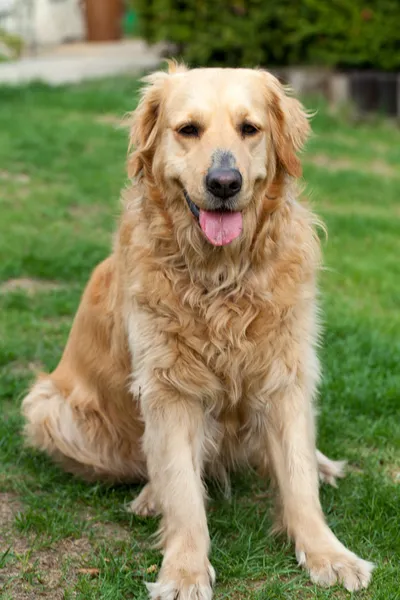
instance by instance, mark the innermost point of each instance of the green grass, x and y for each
(61, 169)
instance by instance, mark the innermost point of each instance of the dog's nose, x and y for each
(223, 183)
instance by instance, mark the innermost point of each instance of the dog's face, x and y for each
(217, 138)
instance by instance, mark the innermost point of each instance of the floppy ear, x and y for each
(289, 127)
(144, 123)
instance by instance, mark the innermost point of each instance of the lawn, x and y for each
(61, 169)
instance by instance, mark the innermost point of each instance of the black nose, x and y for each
(223, 183)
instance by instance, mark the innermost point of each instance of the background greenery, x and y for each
(10, 45)
(341, 33)
(61, 169)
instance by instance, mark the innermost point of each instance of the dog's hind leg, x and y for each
(77, 437)
(330, 470)
(144, 504)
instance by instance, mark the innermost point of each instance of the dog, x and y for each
(193, 350)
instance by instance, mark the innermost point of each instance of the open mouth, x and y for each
(220, 227)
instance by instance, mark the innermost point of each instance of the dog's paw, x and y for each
(189, 587)
(144, 505)
(330, 470)
(327, 568)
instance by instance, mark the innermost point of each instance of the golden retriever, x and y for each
(194, 347)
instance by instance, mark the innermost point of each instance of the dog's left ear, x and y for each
(145, 120)
(289, 126)
(143, 124)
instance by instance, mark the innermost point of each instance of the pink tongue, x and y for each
(221, 228)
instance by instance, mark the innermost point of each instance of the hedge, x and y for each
(340, 33)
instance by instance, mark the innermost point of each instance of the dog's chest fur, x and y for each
(232, 345)
(230, 349)
(235, 349)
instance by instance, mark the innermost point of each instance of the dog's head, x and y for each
(215, 140)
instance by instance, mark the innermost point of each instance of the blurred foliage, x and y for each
(340, 33)
(10, 45)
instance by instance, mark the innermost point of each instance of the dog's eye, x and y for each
(189, 130)
(247, 129)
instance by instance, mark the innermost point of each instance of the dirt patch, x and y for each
(392, 471)
(19, 368)
(242, 593)
(111, 531)
(354, 142)
(395, 475)
(17, 177)
(28, 285)
(109, 119)
(9, 507)
(369, 210)
(33, 569)
(381, 168)
(80, 211)
(377, 166)
(32, 573)
(28, 571)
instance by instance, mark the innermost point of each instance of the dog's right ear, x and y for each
(144, 122)
(289, 123)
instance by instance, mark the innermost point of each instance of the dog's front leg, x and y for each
(173, 444)
(293, 457)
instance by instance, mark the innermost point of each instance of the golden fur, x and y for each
(188, 359)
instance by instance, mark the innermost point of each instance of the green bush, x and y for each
(10, 46)
(340, 33)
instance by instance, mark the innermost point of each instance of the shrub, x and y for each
(340, 33)
(10, 46)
